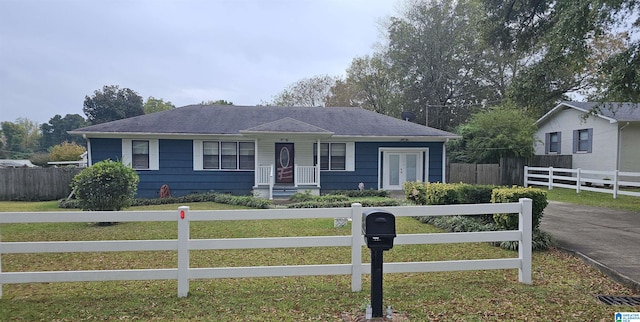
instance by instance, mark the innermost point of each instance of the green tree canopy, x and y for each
(216, 102)
(153, 105)
(21, 138)
(55, 131)
(112, 103)
(501, 132)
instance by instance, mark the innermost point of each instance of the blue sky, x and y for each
(53, 53)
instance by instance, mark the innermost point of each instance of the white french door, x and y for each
(400, 167)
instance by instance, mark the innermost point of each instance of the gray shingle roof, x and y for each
(622, 112)
(199, 119)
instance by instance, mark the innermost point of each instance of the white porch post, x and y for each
(318, 164)
(255, 163)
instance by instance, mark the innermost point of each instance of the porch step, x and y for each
(283, 192)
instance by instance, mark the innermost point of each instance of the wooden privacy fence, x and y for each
(613, 182)
(506, 173)
(36, 183)
(183, 273)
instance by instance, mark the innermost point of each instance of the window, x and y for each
(247, 156)
(210, 155)
(582, 140)
(228, 155)
(140, 154)
(552, 142)
(225, 155)
(333, 156)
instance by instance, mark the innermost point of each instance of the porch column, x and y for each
(255, 163)
(318, 164)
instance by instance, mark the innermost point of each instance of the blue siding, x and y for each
(366, 171)
(176, 170)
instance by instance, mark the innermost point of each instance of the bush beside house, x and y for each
(461, 193)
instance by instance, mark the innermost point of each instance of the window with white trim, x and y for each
(333, 156)
(223, 155)
(141, 154)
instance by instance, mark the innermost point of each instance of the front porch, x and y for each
(305, 178)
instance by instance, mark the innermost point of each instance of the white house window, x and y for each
(223, 155)
(583, 140)
(140, 154)
(210, 155)
(228, 155)
(247, 155)
(332, 156)
(553, 142)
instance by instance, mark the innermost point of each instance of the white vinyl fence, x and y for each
(613, 182)
(183, 273)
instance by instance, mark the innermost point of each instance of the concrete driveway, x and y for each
(608, 239)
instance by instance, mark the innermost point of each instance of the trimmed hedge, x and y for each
(362, 193)
(246, 201)
(510, 221)
(343, 204)
(461, 193)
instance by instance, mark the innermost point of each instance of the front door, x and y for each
(284, 163)
(400, 167)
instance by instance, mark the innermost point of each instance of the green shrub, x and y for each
(510, 221)
(362, 193)
(428, 193)
(106, 185)
(471, 194)
(343, 204)
(247, 201)
(302, 196)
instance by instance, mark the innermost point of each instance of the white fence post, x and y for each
(550, 178)
(578, 181)
(525, 225)
(615, 184)
(356, 247)
(526, 176)
(183, 251)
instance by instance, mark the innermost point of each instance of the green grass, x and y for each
(596, 199)
(563, 286)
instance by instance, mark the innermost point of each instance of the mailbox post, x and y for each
(379, 229)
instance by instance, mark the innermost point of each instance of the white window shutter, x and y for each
(154, 155)
(350, 156)
(197, 155)
(126, 152)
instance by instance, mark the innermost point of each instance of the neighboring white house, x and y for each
(608, 139)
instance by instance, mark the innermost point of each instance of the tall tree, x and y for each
(55, 132)
(153, 105)
(369, 84)
(434, 49)
(112, 103)
(21, 138)
(313, 91)
(559, 35)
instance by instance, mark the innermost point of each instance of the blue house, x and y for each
(267, 151)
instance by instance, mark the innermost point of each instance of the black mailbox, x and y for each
(379, 229)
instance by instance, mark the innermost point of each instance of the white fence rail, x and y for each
(183, 273)
(613, 182)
